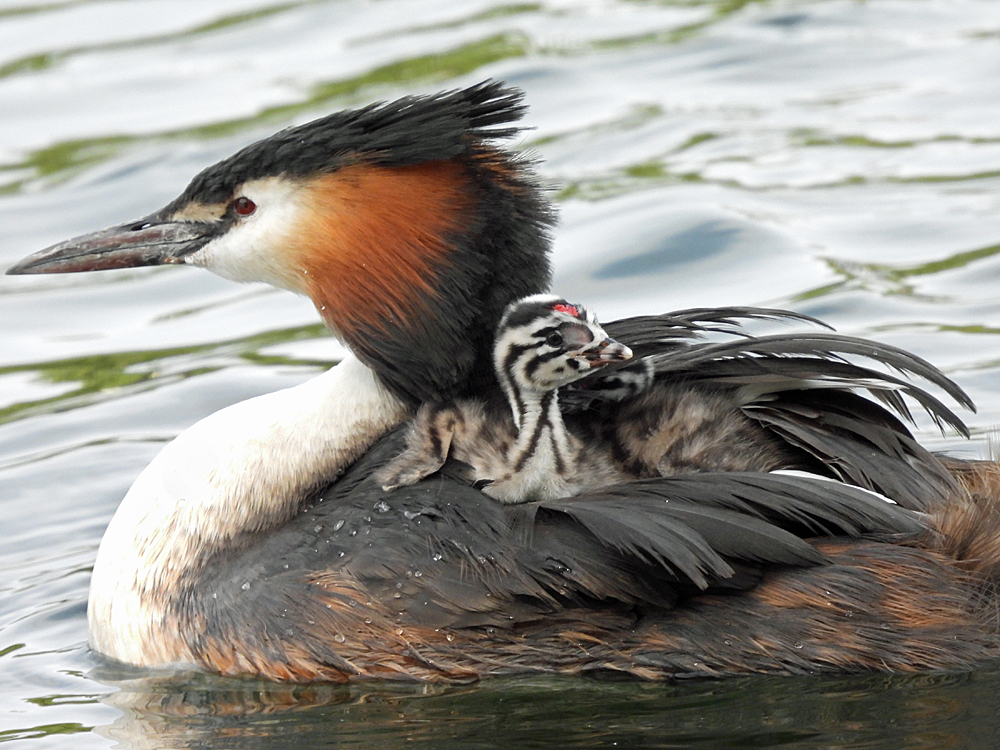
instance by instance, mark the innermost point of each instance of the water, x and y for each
(838, 158)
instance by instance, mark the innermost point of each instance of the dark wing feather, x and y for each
(365, 572)
(804, 388)
(651, 535)
(775, 363)
(652, 336)
(694, 323)
(806, 504)
(820, 356)
(683, 536)
(860, 443)
(687, 529)
(752, 377)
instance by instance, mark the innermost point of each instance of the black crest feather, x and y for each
(410, 130)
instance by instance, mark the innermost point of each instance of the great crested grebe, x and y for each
(524, 451)
(236, 552)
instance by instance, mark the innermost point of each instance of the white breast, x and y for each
(245, 467)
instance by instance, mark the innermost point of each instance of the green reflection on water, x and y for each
(722, 10)
(892, 280)
(500, 11)
(64, 700)
(29, 10)
(240, 18)
(68, 157)
(71, 156)
(652, 169)
(635, 176)
(44, 730)
(41, 61)
(452, 64)
(987, 175)
(810, 137)
(631, 179)
(98, 373)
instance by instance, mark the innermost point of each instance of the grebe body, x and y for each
(259, 542)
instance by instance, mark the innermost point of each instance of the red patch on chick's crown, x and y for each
(567, 308)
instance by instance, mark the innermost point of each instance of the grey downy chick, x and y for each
(524, 452)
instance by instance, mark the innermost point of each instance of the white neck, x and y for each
(244, 469)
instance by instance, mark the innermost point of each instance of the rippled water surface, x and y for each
(838, 158)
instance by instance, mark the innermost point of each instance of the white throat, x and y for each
(245, 468)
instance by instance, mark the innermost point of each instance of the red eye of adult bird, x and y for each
(257, 543)
(244, 206)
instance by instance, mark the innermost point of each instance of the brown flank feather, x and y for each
(928, 604)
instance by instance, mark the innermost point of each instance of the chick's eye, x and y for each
(554, 339)
(244, 206)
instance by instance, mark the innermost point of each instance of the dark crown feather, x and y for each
(410, 130)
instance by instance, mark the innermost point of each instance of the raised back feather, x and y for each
(804, 389)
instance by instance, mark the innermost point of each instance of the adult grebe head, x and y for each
(408, 229)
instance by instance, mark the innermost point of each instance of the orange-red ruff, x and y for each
(388, 232)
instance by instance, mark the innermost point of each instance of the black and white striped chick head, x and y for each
(544, 342)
